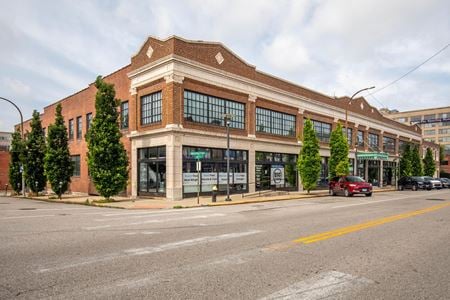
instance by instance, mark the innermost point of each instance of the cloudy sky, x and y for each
(50, 49)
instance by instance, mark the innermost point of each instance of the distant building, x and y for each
(435, 124)
(5, 145)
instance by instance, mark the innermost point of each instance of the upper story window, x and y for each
(44, 132)
(79, 128)
(430, 132)
(373, 141)
(388, 144)
(323, 130)
(151, 108)
(210, 110)
(71, 132)
(124, 115)
(429, 117)
(360, 138)
(349, 134)
(274, 122)
(444, 115)
(416, 119)
(88, 121)
(76, 165)
(402, 120)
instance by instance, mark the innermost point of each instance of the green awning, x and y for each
(372, 156)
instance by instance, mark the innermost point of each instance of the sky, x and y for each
(51, 49)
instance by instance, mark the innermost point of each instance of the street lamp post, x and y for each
(349, 102)
(227, 120)
(22, 135)
(346, 119)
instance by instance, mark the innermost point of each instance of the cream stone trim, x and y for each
(133, 91)
(187, 68)
(174, 78)
(149, 52)
(252, 98)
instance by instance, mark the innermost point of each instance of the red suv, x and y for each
(350, 185)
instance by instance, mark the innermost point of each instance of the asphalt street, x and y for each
(394, 245)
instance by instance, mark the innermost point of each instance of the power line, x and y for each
(412, 70)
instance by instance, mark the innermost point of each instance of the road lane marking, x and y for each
(349, 229)
(142, 215)
(156, 221)
(150, 250)
(153, 212)
(191, 242)
(24, 217)
(372, 202)
(322, 286)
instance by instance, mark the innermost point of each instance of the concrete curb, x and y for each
(210, 204)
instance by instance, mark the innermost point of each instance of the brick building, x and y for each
(5, 144)
(174, 94)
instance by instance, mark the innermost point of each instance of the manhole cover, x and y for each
(27, 208)
(432, 199)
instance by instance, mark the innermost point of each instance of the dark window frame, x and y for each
(124, 115)
(374, 137)
(323, 127)
(151, 108)
(360, 138)
(207, 109)
(76, 162)
(389, 144)
(88, 121)
(71, 130)
(79, 128)
(279, 123)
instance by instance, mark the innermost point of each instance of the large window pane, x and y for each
(210, 110)
(151, 108)
(274, 122)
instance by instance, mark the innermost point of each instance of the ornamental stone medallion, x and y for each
(219, 58)
(149, 52)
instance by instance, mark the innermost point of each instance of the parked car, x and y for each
(414, 183)
(349, 186)
(445, 182)
(434, 182)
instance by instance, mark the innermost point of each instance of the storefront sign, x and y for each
(223, 178)
(239, 178)
(276, 175)
(209, 178)
(190, 179)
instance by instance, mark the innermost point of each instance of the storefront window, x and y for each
(214, 171)
(152, 170)
(275, 171)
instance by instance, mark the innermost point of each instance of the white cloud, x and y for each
(51, 50)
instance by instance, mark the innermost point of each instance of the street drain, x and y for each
(27, 208)
(433, 199)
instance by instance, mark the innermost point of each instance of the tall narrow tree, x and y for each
(416, 162)
(16, 162)
(107, 158)
(58, 166)
(429, 165)
(405, 162)
(34, 158)
(338, 153)
(309, 161)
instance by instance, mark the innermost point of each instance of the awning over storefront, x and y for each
(372, 156)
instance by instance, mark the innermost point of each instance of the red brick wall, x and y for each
(4, 166)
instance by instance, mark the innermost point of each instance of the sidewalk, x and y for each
(162, 203)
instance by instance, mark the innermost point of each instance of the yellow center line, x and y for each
(345, 230)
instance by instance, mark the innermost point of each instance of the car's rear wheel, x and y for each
(369, 195)
(347, 193)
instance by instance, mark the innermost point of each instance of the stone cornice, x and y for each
(185, 68)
